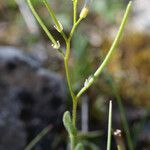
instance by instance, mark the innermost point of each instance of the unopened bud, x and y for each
(85, 9)
(117, 133)
(84, 12)
(56, 45)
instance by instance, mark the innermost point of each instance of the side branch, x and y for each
(109, 55)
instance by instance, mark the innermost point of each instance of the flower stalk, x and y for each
(57, 25)
(70, 122)
(75, 2)
(110, 53)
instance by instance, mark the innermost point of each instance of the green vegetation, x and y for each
(68, 119)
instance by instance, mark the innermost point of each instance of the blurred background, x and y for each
(33, 86)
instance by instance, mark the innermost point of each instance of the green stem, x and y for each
(66, 59)
(72, 141)
(74, 27)
(57, 23)
(74, 112)
(48, 6)
(75, 11)
(109, 126)
(122, 115)
(41, 23)
(68, 78)
(109, 55)
(69, 83)
(38, 138)
(74, 101)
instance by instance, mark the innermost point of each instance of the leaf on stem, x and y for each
(68, 123)
(79, 147)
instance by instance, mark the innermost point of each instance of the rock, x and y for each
(31, 99)
(12, 129)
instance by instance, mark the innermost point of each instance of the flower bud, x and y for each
(56, 45)
(85, 9)
(84, 12)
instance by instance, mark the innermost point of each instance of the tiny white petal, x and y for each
(56, 46)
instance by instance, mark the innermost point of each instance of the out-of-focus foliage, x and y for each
(8, 3)
(107, 8)
(81, 67)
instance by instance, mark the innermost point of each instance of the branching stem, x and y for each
(41, 23)
(57, 23)
(66, 55)
(109, 55)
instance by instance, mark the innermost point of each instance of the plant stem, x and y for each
(74, 100)
(75, 11)
(109, 55)
(56, 45)
(72, 141)
(57, 23)
(41, 23)
(66, 59)
(122, 115)
(68, 78)
(74, 27)
(74, 103)
(74, 112)
(38, 138)
(109, 126)
(51, 13)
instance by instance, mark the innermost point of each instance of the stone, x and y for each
(32, 98)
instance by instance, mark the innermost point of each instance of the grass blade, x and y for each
(38, 138)
(109, 126)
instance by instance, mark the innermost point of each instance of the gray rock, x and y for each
(31, 99)
(12, 130)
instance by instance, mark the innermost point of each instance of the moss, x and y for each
(131, 68)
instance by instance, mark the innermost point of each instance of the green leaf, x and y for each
(68, 123)
(79, 147)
